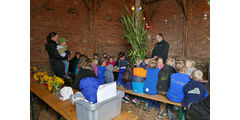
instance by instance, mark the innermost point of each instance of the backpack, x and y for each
(164, 74)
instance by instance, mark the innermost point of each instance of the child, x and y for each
(190, 64)
(127, 79)
(177, 82)
(150, 84)
(95, 55)
(122, 64)
(87, 81)
(64, 52)
(111, 61)
(195, 90)
(139, 75)
(164, 76)
(160, 64)
(85, 70)
(164, 81)
(108, 75)
(73, 63)
(95, 66)
(151, 78)
(101, 72)
(145, 63)
(83, 58)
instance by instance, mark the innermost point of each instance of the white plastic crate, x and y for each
(105, 110)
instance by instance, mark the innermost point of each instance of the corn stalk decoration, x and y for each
(135, 34)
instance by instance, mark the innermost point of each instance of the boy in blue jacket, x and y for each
(177, 82)
(150, 84)
(101, 72)
(195, 90)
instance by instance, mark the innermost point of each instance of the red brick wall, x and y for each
(199, 45)
(109, 35)
(74, 27)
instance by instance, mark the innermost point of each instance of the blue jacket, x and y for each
(119, 79)
(177, 82)
(143, 65)
(88, 87)
(101, 71)
(150, 84)
(194, 91)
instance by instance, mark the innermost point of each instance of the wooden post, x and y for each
(187, 10)
(93, 6)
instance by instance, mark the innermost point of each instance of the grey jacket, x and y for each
(108, 75)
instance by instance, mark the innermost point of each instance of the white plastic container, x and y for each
(105, 110)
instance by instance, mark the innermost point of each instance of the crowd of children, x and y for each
(179, 81)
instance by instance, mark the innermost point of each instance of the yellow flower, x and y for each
(34, 68)
(35, 76)
(50, 88)
(46, 78)
(59, 80)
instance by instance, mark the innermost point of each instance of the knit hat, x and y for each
(60, 40)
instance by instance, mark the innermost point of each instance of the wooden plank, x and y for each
(160, 98)
(66, 108)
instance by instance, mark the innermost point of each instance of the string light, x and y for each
(133, 8)
(139, 8)
(144, 18)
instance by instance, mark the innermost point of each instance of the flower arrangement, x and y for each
(53, 83)
(39, 76)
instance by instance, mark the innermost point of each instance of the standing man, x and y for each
(161, 48)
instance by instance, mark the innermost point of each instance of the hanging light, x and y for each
(133, 8)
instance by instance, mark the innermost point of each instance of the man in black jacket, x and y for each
(161, 48)
(55, 59)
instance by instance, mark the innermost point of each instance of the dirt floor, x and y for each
(41, 113)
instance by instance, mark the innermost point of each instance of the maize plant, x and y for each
(135, 34)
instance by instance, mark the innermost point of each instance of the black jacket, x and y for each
(83, 73)
(164, 74)
(72, 64)
(54, 58)
(200, 110)
(161, 50)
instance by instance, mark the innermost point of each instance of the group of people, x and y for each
(179, 81)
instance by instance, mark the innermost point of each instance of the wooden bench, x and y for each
(159, 98)
(64, 108)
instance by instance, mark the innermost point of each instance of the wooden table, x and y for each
(64, 108)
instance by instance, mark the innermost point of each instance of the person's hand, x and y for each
(155, 57)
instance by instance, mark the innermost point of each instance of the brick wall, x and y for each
(70, 19)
